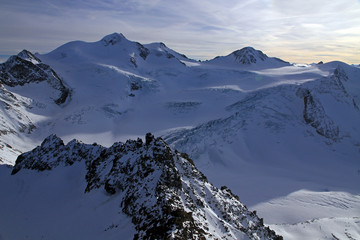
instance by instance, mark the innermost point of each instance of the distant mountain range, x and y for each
(265, 128)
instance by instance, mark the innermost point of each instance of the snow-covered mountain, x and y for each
(25, 83)
(249, 57)
(117, 51)
(267, 129)
(157, 188)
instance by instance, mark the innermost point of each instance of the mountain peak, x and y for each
(249, 55)
(28, 56)
(113, 39)
(52, 141)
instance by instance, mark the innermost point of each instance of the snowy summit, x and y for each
(113, 39)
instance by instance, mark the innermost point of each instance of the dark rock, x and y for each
(314, 115)
(149, 138)
(26, 68)
(144, 52)
(163, 193)
(133, 61)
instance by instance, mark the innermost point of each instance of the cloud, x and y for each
(200, 29)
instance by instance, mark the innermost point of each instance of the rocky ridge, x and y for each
(276, 109)
(162, 191)
(26, 68)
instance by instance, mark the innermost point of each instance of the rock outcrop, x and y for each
(162, 190)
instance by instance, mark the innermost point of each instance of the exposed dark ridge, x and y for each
(314, 115)
(26, 68)
(161, 189)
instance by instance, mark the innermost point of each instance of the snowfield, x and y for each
(283, 137)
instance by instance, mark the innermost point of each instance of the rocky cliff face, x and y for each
(314, 95)
(162, 191)
(26, 68)
(314, 115)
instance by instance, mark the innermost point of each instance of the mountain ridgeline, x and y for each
(163, 192)
(265, 128)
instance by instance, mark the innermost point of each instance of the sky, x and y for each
(302, 31)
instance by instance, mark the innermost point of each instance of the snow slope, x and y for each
(263, 127)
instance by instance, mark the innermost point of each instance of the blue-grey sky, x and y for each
(295, 30)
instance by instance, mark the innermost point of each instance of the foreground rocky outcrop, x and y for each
(162, 190)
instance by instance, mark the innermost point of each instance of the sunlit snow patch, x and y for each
(126, 73)
(190, 64)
